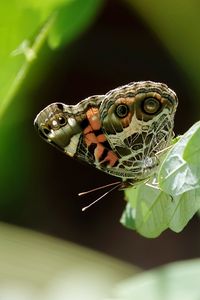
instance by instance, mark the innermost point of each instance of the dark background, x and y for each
(117, 49)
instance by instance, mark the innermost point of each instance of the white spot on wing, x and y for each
(71, 122)
(71, 148)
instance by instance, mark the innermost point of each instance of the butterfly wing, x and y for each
(137, 120)
(76, 130)
(118, 133)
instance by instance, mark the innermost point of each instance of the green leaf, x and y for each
(179, 172)
(175, 281)
(192, 149)
(187, 204)
(150, 211)
(128, 217)
(26, 25)
(72, 20)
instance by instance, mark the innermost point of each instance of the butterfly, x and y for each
(120, 133)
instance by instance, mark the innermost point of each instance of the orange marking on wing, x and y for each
(98, 151)
(94, 118)
(87, 129)
(90, 138)
(127, 120)
(111, 158)
(101, 138)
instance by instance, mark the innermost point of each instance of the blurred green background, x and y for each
(65, 51)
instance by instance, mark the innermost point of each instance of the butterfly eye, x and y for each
(122, 110)
(151, 105)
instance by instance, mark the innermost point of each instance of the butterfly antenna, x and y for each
(99, 188)
(102, 196)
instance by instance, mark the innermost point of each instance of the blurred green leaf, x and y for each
(25, 25)
(35, 266)
(172, 282)
(72, 20)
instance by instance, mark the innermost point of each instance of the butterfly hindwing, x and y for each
(119, 133)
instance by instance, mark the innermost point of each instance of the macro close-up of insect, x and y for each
(114, 86)
(120, 133)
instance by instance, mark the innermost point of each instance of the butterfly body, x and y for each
(119, 133)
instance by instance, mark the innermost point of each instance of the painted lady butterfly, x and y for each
(120, 133)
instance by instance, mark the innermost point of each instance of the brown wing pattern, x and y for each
(119, 133)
